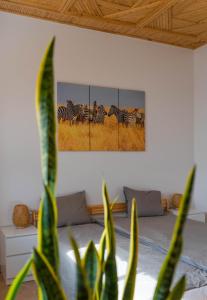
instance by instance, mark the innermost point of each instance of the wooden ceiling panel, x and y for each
(193, 28)
(176, 22)
(142, 2)
(194, 16)
(179, 23)
(164, 22)
(180, 6)
(123, 2)
(53, 4)
(188, 6)
(108, 8)
(87, 7)
(134, 14)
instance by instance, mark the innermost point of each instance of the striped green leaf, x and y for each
(178, 290)
(82, 286)
(46, 278)
(102, 247)
(47, 229)
(46, 118)
(108, 222)
(47, 233)
(101, 253)
(91, 265)
(16, 284)
(110, 287)
(167, 271)
(133, 257)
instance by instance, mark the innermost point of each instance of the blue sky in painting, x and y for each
(103, 95)
(131, 98)
(78, 93)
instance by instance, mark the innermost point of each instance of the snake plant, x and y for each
(96, 270)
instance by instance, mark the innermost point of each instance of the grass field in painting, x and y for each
(104, 137)
(131, 138)
(107, 137)
(73, 137)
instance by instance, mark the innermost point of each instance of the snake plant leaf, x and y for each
(46, 278)
(82, 286)
(129, 287)
(91, 266)
(46, 118)
(102, 247)
(47, 229)
(108, 222)
(101, 253)
(47, 233)
(110, 287)
(16, 284)
(178, 290)
(167, 271)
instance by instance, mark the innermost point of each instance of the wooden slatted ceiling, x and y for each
(177, 22)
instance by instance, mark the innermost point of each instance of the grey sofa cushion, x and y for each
(72, 209)
(148, 202)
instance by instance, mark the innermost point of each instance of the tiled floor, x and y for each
(28, 290)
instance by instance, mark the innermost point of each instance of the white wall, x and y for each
(90, 57)
(200, 119)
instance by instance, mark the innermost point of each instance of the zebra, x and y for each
(94, 111)
(84, 113)
(70, 111)
(119, 114)
(81, 114)
(129, 118)
(62, 113)
(73, 111)
(123, 116)
(142, 120)
(101, 113)
(139, 118)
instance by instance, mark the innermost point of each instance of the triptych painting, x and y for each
(93, 118)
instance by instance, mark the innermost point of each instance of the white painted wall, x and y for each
(90, 57)
(200, 119)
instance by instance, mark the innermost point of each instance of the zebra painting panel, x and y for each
(132, 134)
(73, 135)
(103, 129)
